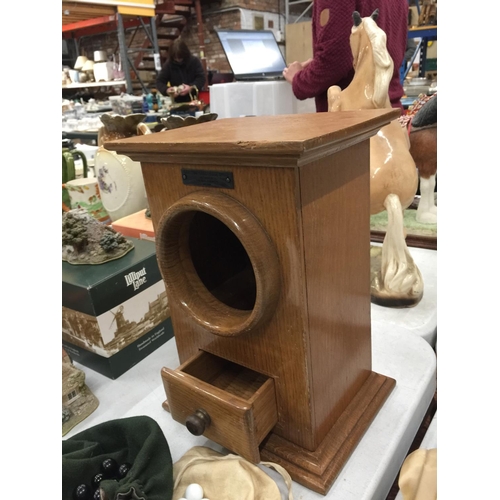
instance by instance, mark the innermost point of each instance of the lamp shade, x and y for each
(100, 56)
(88, 66)
(81, 60)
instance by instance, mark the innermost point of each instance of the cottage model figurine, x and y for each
(78, 401)
(87, 241)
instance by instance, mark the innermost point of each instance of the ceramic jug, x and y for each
(69, 171)
(84, 193)
(68, 164)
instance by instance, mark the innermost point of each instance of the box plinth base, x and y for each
(317, 470)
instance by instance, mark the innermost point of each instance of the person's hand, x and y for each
(306, 63)
(291, 71)
(185, 89)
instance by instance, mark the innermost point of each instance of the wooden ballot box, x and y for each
(262, 228)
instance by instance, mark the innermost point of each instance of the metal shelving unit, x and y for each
(426, 34)
(306, 4)
(92, 18)
(95, 84)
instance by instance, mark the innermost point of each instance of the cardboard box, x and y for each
(135, 226)
(115, 314)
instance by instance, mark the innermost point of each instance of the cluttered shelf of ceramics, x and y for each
(76, 85)
(81, 116)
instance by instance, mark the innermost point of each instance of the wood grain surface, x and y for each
(234, 138)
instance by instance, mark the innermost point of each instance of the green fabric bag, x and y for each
(138, 441)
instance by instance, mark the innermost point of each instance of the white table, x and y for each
(234, 99)
(374, 464)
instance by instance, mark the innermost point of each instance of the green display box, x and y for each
(115, 314)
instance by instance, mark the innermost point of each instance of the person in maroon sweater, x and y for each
(332, 57)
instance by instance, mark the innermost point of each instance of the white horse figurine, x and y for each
(393, 174)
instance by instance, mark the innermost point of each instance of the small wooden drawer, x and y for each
(240, 403)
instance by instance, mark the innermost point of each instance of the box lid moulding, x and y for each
(285, 138)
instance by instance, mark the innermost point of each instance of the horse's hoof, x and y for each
(382, 298)
(426, 218)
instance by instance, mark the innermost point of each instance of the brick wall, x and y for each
(214, 54)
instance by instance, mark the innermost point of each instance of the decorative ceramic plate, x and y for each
(121, 184)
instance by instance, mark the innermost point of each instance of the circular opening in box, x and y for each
(221, 262)
(218, 263)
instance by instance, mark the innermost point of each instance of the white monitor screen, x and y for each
(252, 53)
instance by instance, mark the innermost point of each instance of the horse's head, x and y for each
(369, 47)
(364, 34)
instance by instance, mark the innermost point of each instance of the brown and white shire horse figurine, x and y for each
(396, 280)
(423, 148)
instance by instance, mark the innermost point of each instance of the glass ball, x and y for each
(96, 480)
(109, 468)
(82, 492)
(123, 469)
(194, 492)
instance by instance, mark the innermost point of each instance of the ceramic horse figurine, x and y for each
(393, 174)
(423, 148)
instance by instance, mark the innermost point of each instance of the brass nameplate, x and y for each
(207, 178)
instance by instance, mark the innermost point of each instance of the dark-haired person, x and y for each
(331, 63)
(181, 74)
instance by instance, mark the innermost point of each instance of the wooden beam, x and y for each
(74, 12)
(134, 11)
(88, 23)
(97, 26)
(148, 4)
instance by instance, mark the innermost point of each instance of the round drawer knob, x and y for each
(198, 422)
